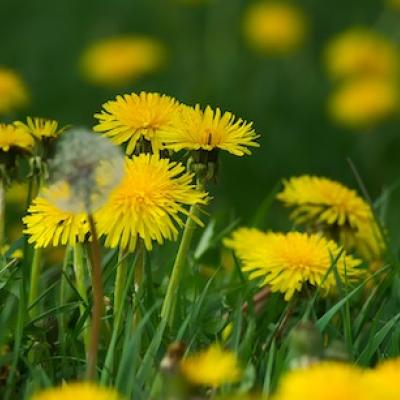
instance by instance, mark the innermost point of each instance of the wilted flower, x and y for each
(274, 27)
(133, 117)
(78, 391)
(364, 102)
(85, 170)
(119, 60)
(40, 128)
(14, 137)
(213, 366)
(361, 52)
(13, 93)
(286, 262)
(148, 203)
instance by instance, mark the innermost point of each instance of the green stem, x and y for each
(2, 211)
(138, 279)
(120, 279)
(169, 305)
(98, 301)
(79, 270)
(35, 278)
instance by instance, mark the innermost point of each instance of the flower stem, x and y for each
(2, 211)
(169, 305)
(120, 279)
(98, 302)
(34, 283)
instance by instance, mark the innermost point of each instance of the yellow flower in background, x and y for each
(131, 117)
(383, 382)
(364, 102)
(119, 60)
(324, 381)
(40, 128)
(78, 391)
(361, 52)
(47, 225)
(213, 366)
(148, 203)
(14, 137)
(210, 129)
(13, 93)
(274, 27)
(335, 209)
(394, 3)
(287, 261)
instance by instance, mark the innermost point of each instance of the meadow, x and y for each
(199, 200)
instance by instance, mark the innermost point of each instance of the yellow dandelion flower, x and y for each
(119, 60)
(213, 366)
(47, 225)
(148, 202)
(364, 102)
(133, 116)
(195, 129)
(274, 27)
(14, 137)
(286, 262)
(334, 208)
(78, 391)
(13, 93)
(40, 128)
(383, 382)
(344, 381)
(361, 52)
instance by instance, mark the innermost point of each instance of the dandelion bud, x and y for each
(85, 169)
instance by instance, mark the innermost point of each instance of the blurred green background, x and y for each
(209, 62)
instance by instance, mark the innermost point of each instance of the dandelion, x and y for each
(78, 391)
(40, 128)
(364, 102)
(119, 60)
(47, 225)
(274, 27)
(209, 130)
(213, 366)
(286, 262)
(12, 137)
(335, 209)
(148, 203)
(13, 93)
(133, 117)
(361, 52)
(327, 380)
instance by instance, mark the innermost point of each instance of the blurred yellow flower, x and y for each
(394, 3)
(213, 366)
(361, 52)
(274, 27)
(47, 225)
(148, 203)
(132, 117)
(78, 391)
(120, 60)
(210, 129)
(40, 128)
(13, 93)
(14, 137)
(334, 209)
(287, 261)
(364, 102)
(325, 381)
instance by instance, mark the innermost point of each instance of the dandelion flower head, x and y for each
(40, 128)
(78, 391)
(361, 52)
(47, 225)
(131, 117)
(119, 60)
(274, 27)
(14, 137)
(195, 129)
(148, 203)
(13, 93)
(86, 168)
(213, 366)
(286, 262)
